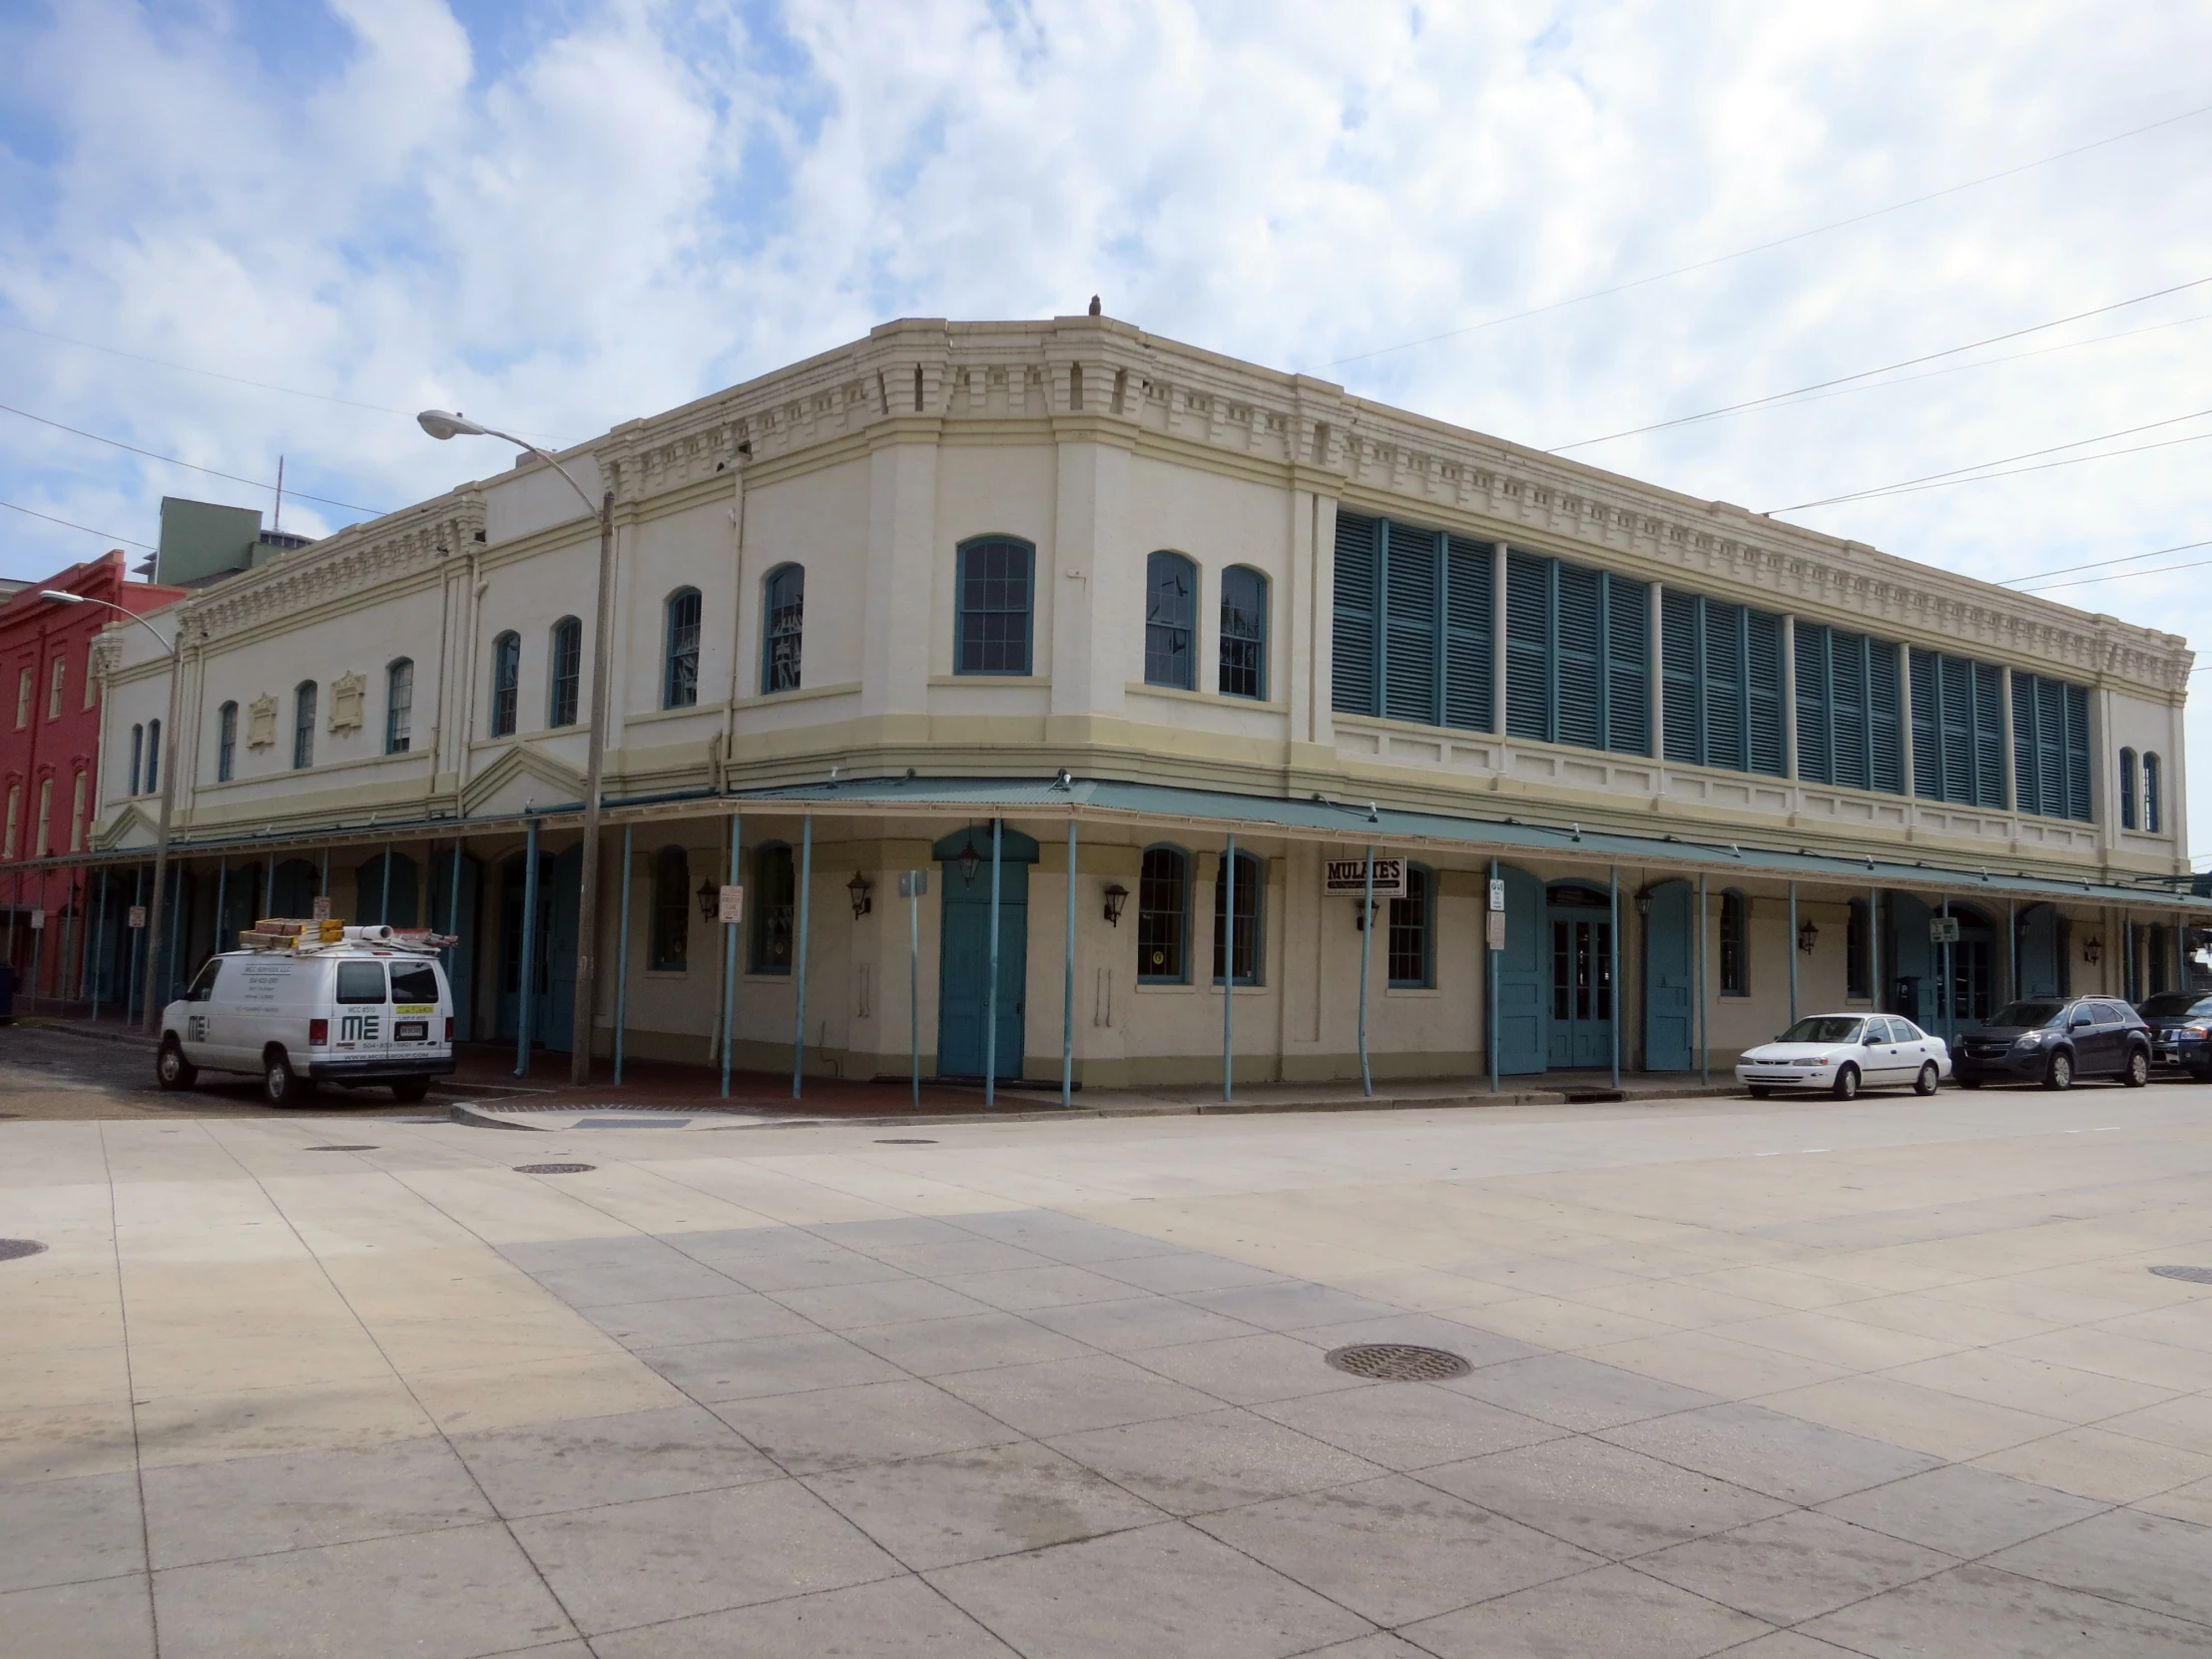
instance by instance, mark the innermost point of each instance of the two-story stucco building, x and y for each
(1069, 578)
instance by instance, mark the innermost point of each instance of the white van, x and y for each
(351, 1013)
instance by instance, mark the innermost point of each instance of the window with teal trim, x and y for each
(1170, 621)
(992, 628)
(1849, 727)
(1413, 633)
(774, 904)
(1244, 632)
(1723, 697)
(2050, 747)
(680, 650)
(2127, 789)
(1957, 730)
(1412, 951)
(1164, 916)
(1251, 906)
(2153, 807)
(565, 672)
(1577, 654)
(784, 623)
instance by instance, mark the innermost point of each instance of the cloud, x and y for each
(567, 216)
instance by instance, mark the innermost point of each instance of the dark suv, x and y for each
(2054, 1040)
(2180, 1031)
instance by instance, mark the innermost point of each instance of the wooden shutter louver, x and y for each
(1355, 632)
(1410, 649)
(1470, 661)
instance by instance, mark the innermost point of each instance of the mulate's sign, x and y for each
(1349, 877)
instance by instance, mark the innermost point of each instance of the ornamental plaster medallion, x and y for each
(348, 694)
(261, 721)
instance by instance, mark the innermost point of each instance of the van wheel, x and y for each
(408, 1090)
(2138, 1069)
(1928, 1080)
(281, 1085)
(2059, 1074)
(172, 1070)
(1846, 1084)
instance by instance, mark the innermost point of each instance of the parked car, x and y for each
(1844, 1053)
(2180, 1031)
(2057, 1040)
(359, 1011)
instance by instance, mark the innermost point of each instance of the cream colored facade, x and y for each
(1095, 445)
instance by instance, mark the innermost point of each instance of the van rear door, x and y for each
(360, 1027)
(418, 1021)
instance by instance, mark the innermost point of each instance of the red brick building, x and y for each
(49, 744)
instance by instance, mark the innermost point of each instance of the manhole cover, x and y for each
(2195, 1275)
(341, 1148)
(1398, 1363)
(904, 1140)
(11, 1249)
(553, 1169)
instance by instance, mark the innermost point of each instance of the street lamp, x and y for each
(167, 760)
(441, 425)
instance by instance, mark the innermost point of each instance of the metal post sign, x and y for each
(138, 915)
(1494, 929)
(1497, 896)
(912, 884)
(1942, 929)
(730, 906)
(38, 920)
(319, 910)
(1347, 877)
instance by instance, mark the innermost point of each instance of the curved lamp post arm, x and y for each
(55, 596)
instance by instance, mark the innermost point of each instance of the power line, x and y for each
(2099, 564)
(187, 368)
(1869, 373)
(256, 484)
(2123, 575)
(1930, 478)
(1761, 247)
(2044, 467)
(87, 529)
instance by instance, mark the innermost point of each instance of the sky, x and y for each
(272, 228)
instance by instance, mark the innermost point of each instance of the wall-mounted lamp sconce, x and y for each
(1807, 937)
(1116, 896)
(1643, 905)
(710, 900)
(1359, 914)
(970, 859)
(2093, 950)
(859, 888)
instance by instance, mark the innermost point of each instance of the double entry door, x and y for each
(965, 953)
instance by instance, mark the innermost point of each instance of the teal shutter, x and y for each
(1928, 751)
(1527, 646)
(1469, 640)
(1762, 685)
(2028, 791)
(1954, 704)
(2077, 753)
(1678, 652)
(1627, 666)
(1354, 630)
(1885, 718)
(1578, 692)
(1723, 639)
(1410, 635)
(1989, 735)
(1816, 703)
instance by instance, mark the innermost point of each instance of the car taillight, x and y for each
(448, 1027)
(318, 1032)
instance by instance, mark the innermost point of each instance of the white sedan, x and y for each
(1844, 1053)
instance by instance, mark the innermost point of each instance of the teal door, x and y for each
(2041, 972)
(1524, 977)
(461, 968)
(1915, 970)
(553, 951)
(963, 953)
(1670, 978)
(1580, 927)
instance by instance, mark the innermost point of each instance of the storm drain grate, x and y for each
(341, 1148)
(2195, 1275)
(1398, 1363)
(904, 1140)
(553, 1169)
(12, 1249)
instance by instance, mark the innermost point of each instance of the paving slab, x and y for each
(1980, 1611)
(1612, 1611)
(64, 1531)
(874, 1422)
(1792, 1567)
(581, 1463)
(895, 1618)
(1213, 1460)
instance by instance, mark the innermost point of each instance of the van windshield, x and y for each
(361, 982)
(1829, 1028)
(2174, 1004)
(414, 982)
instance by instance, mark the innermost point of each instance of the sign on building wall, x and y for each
(138, 915)
(1942, 929)
(1494, 929)
(1347, 877)
(38, 920)
(320, 910)
(730, 906)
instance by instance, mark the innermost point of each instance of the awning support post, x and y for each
(1367, 946)
(1067, 988)
(1704, 1024)
(1793, 953)
(730, 964)
(383, 904)
(990, 990)
(97, 943)
(1490, 1023)
(1613, 962)
(799, 1002)
(622, 952)
(1229, 973)
(914, 986)
(138, 937)
(528, 993)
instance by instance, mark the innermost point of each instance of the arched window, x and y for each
(399, 705)
(2153, 807)
(992, 628)
(669, 947)
(1164, 916)
(1244, 632)
(152, 756)
(1735, 944)
(507, 682)
(1170, 610)
(226, 742)
(1251, 897)
(784, 618)
(138, 759)
(1413, 931)
(679, 667)
(302, 724)
(565, 672)
(2127, 789)
(772, 901)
